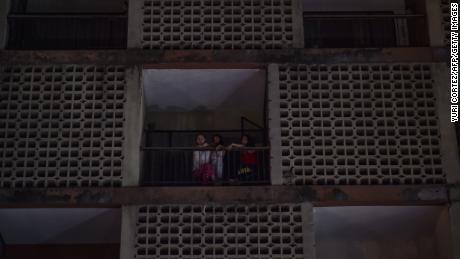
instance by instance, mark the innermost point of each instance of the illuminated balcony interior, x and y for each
(181, 103)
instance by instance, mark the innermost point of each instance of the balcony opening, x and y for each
(365, 24)
(56, 233)
(187, 112)
(67, 25)
(397, 232)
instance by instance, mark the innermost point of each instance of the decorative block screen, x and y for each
(221, 231)
(359, 124)
(61, 126)
(445, 9)
(218, 24)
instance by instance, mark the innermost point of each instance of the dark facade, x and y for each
(355, 115)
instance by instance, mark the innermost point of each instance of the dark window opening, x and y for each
(54, 233)
(51, 25)
(397, 232)
(181, 104)
(363, 29)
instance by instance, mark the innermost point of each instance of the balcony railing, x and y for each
(337, 30)
(67, 31)
(206, 166)
(186, 138)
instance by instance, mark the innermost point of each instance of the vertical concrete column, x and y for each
(134, 119)
(297, 19)
(135, 14)
(274, 125)
(308, 231)
(454, 212)
(128, 231)
(449, 148)
(442, 234)
(402, 32)
(4, 9)
(434, 21)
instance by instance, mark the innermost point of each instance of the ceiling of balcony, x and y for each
(204, 89)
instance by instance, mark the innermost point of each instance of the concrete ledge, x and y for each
(306, 56)
(318, 195)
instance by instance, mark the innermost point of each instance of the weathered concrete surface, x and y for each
(128, 232)
(305, 56)
(135, 24)
(449, 149)
(4, 8)
(274, 125)
(454, 212)
(308, 230)
(134, 118)
(454, 193)
(434, 19)
(318, 195)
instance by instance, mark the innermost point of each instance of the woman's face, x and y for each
(216, 140)
(200, 139)
(244, 140)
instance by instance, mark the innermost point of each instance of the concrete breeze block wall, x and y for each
(215, 24)
(218, 231)
(61, 125)
(355, 124)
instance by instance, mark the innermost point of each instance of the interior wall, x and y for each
(380, 232)
(418, 27)
(60, 226)
(81, 251)
(420, 248)
(203, 99)
(76, 6)
(352, 5)
(202, 120)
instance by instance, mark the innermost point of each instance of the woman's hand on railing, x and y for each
(205, 145)
(233, 145)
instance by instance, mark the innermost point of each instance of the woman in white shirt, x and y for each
(203, 170)
(217, 156)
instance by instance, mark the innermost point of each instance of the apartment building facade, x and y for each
(347, 101)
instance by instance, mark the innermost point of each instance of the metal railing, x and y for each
(67, 31)
(205, 166)
(338, 30)
(2, 247)
(186, 138)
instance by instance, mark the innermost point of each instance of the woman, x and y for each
(202, 168)
(217, 157)
(248, 159)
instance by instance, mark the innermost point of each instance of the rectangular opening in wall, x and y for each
(364, 23)
(72, 24)
(56, 233)
(397, 232)
(188, 111)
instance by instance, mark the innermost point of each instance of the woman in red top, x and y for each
(248, 159)
(203, 170)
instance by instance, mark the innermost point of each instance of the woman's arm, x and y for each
(195, 159)
(235, 145)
